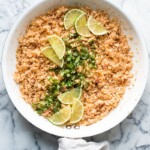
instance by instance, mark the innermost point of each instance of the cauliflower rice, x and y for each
(107, 83)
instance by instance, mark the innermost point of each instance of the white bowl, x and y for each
(131, 97)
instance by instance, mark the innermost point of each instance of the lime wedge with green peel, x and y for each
(70, 17)
(71, 96)
(81, 26)
(96, 27)
(77, 112)
(58, 45)
(50, 53)
(61, 117)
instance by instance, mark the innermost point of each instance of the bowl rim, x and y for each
(143, 43)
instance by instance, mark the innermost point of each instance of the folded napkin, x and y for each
(80, 144)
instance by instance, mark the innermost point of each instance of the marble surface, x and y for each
(18, 134)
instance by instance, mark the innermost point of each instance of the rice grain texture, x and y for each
(108, 81)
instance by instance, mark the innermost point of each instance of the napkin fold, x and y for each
(80, 144)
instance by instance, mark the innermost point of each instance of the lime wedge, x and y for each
(77, 112)
(58, 45)
(96, 27)
(61, 117)
(81, 26)
(71, 96)
(50, 53)
(70, 17)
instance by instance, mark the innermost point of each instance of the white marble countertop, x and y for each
(18, 134)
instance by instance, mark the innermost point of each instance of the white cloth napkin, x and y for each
(80, 144)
